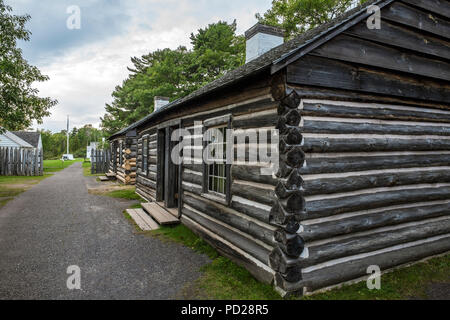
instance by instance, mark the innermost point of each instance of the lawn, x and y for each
(13, 186)
(223, 279)
(58, 165)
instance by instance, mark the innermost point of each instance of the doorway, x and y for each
(167, 189)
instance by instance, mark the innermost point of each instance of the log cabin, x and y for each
(363, 120)
(122, 165)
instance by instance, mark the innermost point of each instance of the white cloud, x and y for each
(83, 77)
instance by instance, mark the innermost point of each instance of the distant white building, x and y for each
(21, 139)
(92, 146)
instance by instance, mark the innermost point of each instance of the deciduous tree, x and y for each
(19, 100)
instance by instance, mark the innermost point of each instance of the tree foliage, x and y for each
(298, 16)
(174, 73)
(19, 101)
(55, 144)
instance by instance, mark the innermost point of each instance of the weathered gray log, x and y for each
(254, 193)
(357, 182)
(227, 216)
(374, 144)
(388, 217)
(386, 113)
(374, 241)
(229, 252)
(351, 164)
(353, 269)
(251, 211)
(249, 246)
(146, 182)
(328, 207)
(252, 174)
(193, 188)
(192, 178)
(341, 127)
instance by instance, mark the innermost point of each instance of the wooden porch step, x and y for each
(161, 215)
(143, 220)
(111, 175)
(103, 178)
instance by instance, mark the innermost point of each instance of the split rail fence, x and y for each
(21, 162)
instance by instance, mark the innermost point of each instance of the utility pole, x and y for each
(68, 135)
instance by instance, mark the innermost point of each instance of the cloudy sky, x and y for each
(85, 65)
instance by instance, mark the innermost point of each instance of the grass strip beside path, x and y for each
(223, 279)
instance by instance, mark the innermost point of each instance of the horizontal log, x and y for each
(323, 108)
(253, 248)
(396, 196)
(146, 195)
(326, 185)
(342, 143)
(375, 241)
(360, 163)
(355, 268)
(252, 209)
(193, 188)
(192, 178)
(266, 119)
(373, 219)
(261, 193)
(237, 255)
(230, 217)
(252, 174)
(146, 182)
(341, 125)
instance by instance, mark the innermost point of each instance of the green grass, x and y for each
(223, 279)
(183, 235)
(58, 165)
(13, 186)
(22, 180)
(402, 284)
(129, 194)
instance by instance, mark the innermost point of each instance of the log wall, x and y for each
(123, 159)
(239, 227)
(375, 121)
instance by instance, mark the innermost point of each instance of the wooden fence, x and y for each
(21, 162)
(100, 161)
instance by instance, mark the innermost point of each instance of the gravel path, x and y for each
(57, 224)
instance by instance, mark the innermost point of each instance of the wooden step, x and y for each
(146, 224)
(111, 175)
(147, 219)
(159, 214)
(103, 179)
